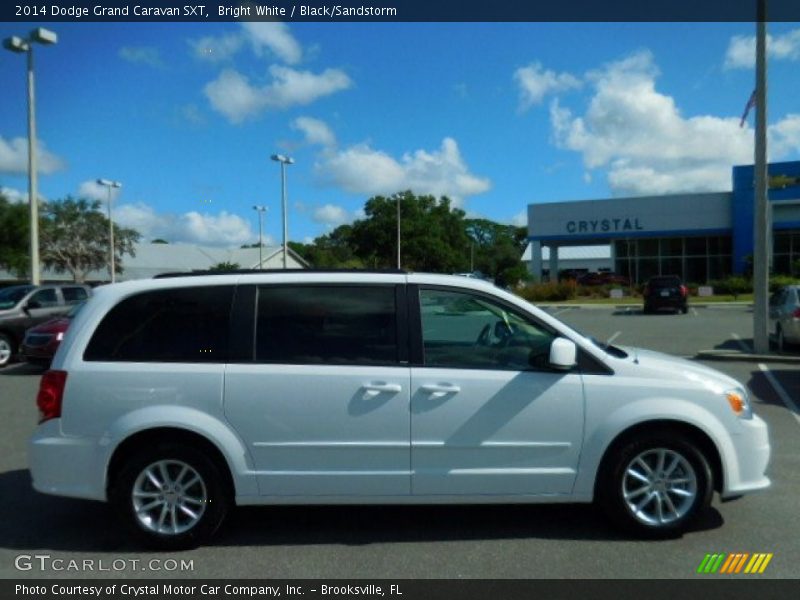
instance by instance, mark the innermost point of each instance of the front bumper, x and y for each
(66, 466)
(745, 470)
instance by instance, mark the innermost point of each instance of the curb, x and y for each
(744, 356)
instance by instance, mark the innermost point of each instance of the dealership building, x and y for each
(700, 236)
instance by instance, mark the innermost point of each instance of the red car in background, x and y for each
(41, 342)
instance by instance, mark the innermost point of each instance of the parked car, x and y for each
(665, 291)
(24, 306)
(784, 315)
(175, 399)
(41, 342)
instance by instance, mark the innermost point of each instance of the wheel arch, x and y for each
(174, 435)
(683, 429)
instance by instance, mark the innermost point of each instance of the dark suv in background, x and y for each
(24, 306)
(665, 291)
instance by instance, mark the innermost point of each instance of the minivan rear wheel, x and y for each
(171, 496)
(657, 485)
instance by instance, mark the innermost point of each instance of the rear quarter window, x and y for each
(174, 325)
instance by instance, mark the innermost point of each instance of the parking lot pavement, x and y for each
(434, 542)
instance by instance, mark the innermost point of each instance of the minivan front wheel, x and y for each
(172, 496)
(657, 486)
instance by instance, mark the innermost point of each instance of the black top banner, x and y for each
(398, 10)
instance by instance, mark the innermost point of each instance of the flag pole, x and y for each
(761, 222)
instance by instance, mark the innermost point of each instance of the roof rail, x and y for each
(274, 272)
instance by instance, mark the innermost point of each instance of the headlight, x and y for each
(739, 403)
(59, 336)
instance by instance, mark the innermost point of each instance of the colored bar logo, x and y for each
(735, 563)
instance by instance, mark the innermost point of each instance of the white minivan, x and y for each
(177, 398)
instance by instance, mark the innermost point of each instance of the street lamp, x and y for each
(111, 266)
(284, 160)
(397, 202)
(25, 45)
(261, 210)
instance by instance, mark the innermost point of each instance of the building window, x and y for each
(786, 253)
(697, 260)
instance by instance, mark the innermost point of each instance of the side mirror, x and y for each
(563, 353)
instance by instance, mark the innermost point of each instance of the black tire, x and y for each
(683, 502)
(208, 499)
(684, 310)
(8, 348)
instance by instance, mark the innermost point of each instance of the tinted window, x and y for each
(462, 330)
(73, 295)
(10, 296)
(45, 298)
(177, 325)
(308, 324)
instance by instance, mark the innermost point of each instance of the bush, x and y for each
(778, 281)
(733, 285)
(550, 292)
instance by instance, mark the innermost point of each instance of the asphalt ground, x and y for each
(544, 541)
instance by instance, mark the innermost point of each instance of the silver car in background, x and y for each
(784, 316)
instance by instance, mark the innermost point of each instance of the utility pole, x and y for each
(761, 221)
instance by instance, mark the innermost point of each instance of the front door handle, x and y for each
(439, 390)
(374, 388)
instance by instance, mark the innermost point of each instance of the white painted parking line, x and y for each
(694, 312)
(782, 394)
(15, 367)
(612, 338)
(742, 344)
(558, 312)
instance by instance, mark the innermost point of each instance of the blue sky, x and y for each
(496, 116)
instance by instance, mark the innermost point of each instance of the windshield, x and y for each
(9, 297)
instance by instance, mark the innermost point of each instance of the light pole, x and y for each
(111, 266)
(20, 45)
(397, 197)
(761, 221)
(260, 210)
(284, 160)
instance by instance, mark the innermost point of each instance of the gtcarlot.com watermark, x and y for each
(45, 562)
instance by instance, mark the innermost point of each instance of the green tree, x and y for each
(432, 233)
(159, 241)
(74, 238)
(14, 237)
(225, 266)
(497, 250)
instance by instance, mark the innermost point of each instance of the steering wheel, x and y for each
(483, 336)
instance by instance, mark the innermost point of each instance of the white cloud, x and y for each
(520, 219)
(14, 157)
(223, 229)
(331, 215)
(217, 48)
(144, 55)
(784, 136)
(640, 135)
(235, 97)
(315, 131)
(535, 83)
(14, 196)
(741, 53)
(275, 37)
(265, 38)
(361, 169)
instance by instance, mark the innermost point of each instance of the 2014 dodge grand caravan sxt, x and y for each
(178, 398)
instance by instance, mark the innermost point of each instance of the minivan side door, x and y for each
(320, 396)
(488, 416)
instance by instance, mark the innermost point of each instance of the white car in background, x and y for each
(784, 315)
(177, 398)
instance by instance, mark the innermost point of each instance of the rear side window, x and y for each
(73, 295)
(176, 325)
(307, 324)
(45, 298)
